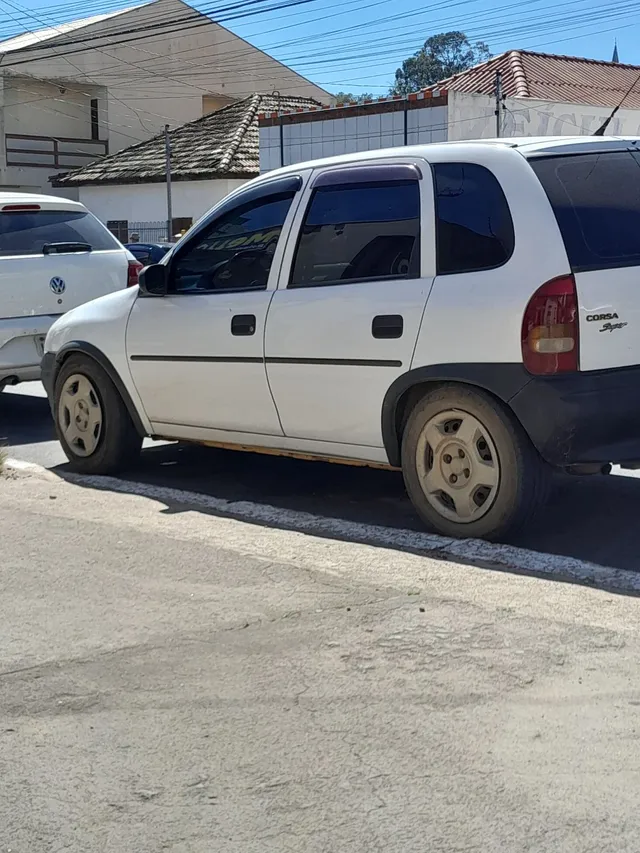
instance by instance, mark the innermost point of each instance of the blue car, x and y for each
(149, 253)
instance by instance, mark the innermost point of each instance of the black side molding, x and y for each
(101, 359)
(504, 380)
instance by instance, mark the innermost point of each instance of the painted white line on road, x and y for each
(462, 550)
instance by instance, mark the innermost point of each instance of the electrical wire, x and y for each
(616, 11)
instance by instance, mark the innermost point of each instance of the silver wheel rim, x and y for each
(80, 415)
(458, 466)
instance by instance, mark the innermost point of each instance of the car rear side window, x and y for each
(474, 229)
(27, 232)
(359, 232)
(596, 201)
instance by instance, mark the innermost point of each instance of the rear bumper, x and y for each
(583, 417)
(21, 340)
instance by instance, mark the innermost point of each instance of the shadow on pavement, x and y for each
(24, 419)
(589, 518)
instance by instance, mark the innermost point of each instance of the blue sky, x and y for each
(356, 45)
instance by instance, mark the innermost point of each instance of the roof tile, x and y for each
(565, 79)
(223, 144)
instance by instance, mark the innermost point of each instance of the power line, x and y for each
(131, 32)
(617, 11)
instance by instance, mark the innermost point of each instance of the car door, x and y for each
(196, 354)
(344, 322)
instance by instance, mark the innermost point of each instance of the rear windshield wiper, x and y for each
(61, 248)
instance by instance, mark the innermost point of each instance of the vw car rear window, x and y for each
(474, 229)
(359, 232)
(596, 201)
(26, 232)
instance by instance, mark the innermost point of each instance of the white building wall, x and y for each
(473, 117)
(326, 137)
(148, 202)
(160, 76)
(32, 107)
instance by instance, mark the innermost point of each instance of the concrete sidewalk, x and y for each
(177, 681)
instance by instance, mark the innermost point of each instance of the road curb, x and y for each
(467, 551)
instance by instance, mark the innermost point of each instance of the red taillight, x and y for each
(550, 328)
(133, 273)
(19, 208)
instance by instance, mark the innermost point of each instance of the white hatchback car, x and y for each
(466, 312)
(54, 255)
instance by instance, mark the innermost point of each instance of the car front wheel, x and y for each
(92, 422)
(469, 469)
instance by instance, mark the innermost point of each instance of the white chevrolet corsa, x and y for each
(468, 312)
(54, 255)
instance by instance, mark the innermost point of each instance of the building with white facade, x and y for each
(77, 92)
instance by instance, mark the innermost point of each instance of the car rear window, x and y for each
(596, 201)
(26, 232)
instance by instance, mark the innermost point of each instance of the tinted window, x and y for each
(596, 200)
(236, 251)
(26, 233)
(359, 232)
(474, 230)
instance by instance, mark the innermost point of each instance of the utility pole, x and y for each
(498, 104)
(167, 149)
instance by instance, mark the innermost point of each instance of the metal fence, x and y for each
(138, 232)
(148, 232)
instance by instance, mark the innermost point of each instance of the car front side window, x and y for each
(235, 251)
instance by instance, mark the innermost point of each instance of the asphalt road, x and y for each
(193, 684)
(591, 518)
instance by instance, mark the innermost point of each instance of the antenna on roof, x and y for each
(605, 124)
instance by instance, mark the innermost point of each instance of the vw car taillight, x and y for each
(133, 273)
(550, 335)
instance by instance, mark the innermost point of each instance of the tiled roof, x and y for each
(567, 79)
(223, 144)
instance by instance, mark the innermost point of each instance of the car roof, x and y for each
(49, 202)
(528, 146)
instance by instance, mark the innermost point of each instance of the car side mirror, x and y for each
(154, 280)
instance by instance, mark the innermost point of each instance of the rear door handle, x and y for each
(243, 324)
(387, 326)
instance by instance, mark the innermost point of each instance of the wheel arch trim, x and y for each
(503, 380)
(100, 358)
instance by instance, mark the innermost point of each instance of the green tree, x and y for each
(440, 57)
(345, 97)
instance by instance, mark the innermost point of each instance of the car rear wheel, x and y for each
(469, 469)
(92, 422)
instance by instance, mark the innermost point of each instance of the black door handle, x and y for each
(387, 326)
(243, 324)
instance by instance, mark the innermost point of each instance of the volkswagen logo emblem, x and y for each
(57, 285)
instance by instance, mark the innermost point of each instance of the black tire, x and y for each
(119, 443)
(523, 481)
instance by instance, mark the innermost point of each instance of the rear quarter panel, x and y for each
(476, 317)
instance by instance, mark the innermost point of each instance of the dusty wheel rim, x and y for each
(80, 415)
(458, 466)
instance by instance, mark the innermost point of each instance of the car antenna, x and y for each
(605, 124)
